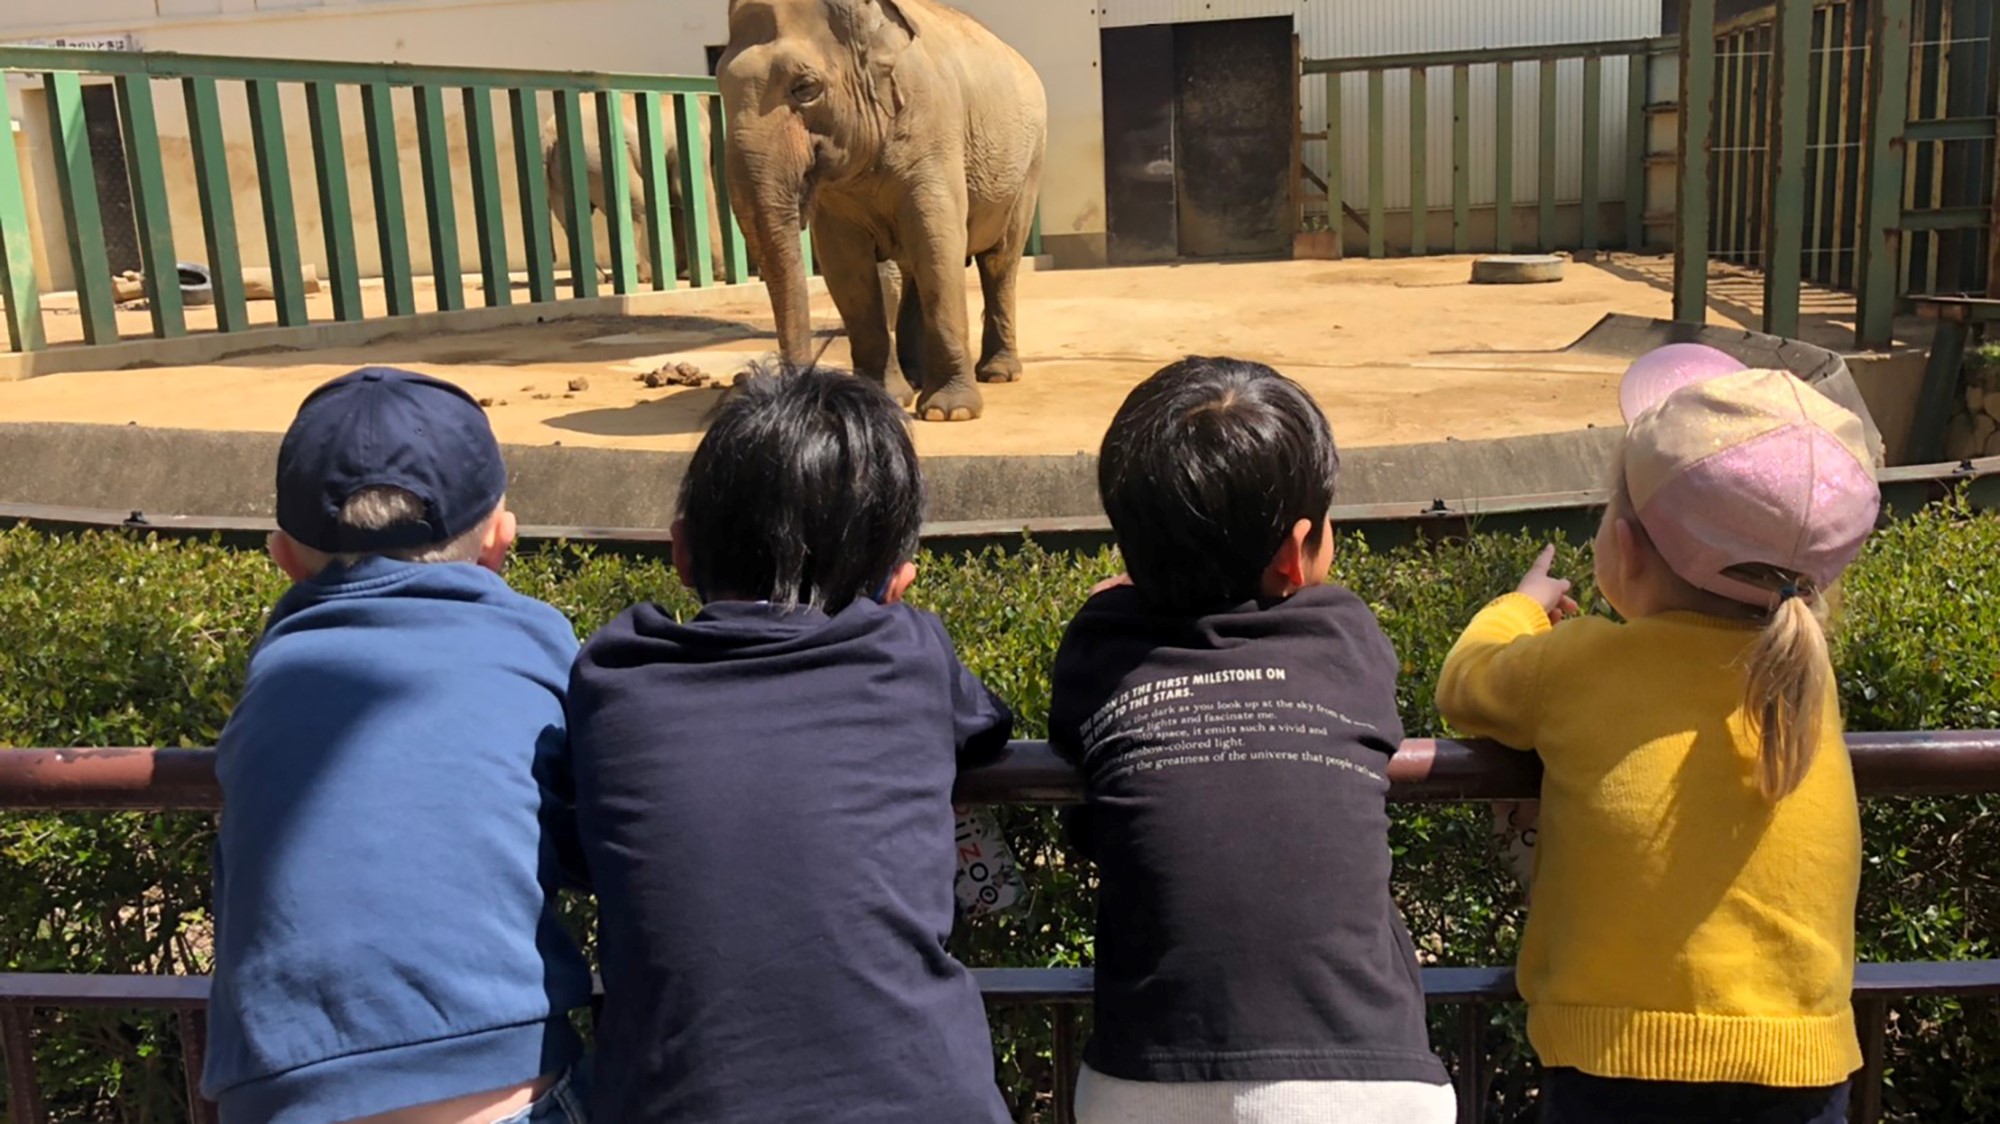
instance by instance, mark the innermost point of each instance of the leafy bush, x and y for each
(114, 640)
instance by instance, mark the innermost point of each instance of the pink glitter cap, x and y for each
(1743, 472)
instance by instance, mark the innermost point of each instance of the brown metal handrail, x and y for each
(1903, 763)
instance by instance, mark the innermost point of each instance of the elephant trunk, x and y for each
(769, 165)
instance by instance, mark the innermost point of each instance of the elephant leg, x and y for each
(935, 222)
(847, 260)
(998, 359)
(909, 330)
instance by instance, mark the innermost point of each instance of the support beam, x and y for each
(1876, 278)
(1785, 201)
(1697, 114)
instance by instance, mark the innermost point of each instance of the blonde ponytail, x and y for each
(1790, 677)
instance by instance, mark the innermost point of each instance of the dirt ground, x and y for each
(1395, 351)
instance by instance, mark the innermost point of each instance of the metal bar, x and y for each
(1945, 218)
(617, 202)
(694, 192)
(1336, 165)
(1503, 157)
(532, 179)
(1471, 1063)
(1697, 116)
(1727, 186)
(1420, 184)
(210, 150)
(149, 206)
(1940, 84)
(735, 256)
(1939, 391)
(336, 209)
(1845, 233)
(274, 188)
(482, 152)
(1950, 129)
(1461, 159)
(24, 1091)
(1818, 264)
(1785, 203)
(194, 1053)
(385, 182)
(1992, 222)
(1593, 129)
(1376, 226)
(1869, 1016)
(576, 178)
(1545, 152)
(1891, 764)
(440, 209)
(659, 196)
(1637, 78)
(18, 290)
(170, 64)
(1065, 1060)
(1882, 192)
(83, 221)
(1603, 48)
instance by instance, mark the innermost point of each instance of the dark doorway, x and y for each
(1198, 139)
(1140, 209)
(114, 185)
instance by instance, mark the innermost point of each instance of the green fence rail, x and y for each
(491, 105)
(1456, 72)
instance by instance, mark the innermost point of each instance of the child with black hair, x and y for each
(764, 792)
(1233, 715)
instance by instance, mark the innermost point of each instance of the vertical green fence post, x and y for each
(482, 151)
(735, 257)
(694, 189)
(274, 187)
(1336, 166)
(149, 204)
(1376, 222)
(385, 184)
(440, 208)
(1545, 151)
(84, 222)
(1503, 157)
(218, 211)
(1697, 114)
(22, 296)
(1420, 180)
(336, 208)
(1461, 159)
(1593, 130)
(533, 182)
(576, 179)
(1882, 193)
(1784, 210)
(614, 171)
(1636, 78)
(660, 218)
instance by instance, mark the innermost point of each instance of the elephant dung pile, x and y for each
(678, 374)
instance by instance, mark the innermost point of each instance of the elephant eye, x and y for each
(807, 90)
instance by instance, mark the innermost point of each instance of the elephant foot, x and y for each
(951, 403)
(898, 387)
(1003, 367)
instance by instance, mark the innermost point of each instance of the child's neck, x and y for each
(1655, 598)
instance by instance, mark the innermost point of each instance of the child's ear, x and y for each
(284, 552)
(900, 582)
(683, 557)
(501, 532)
(1634, 551)
(1286, 574)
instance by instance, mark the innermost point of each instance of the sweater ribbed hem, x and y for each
(1794, 1052)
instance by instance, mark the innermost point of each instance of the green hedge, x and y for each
(112, 640)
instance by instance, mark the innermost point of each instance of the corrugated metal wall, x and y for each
(1348, 28)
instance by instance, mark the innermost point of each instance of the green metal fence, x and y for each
(457, 155)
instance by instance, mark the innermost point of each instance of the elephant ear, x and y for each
(880, 32)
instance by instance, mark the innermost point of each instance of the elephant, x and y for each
(900, 132)
(559, 197)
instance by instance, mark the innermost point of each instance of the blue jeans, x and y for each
(562, 1104)
(1571, 1096)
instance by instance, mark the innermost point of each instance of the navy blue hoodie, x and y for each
(765, 803)
(385, 880)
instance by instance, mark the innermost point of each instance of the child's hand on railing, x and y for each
(1110, 583)
(1552, 594)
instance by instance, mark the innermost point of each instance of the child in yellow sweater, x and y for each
(1689, 953)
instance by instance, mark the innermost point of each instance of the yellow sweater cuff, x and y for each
(1517, 613)
(1799, 1051)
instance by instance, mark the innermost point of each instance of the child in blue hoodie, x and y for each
(395, 777)
(764, 791)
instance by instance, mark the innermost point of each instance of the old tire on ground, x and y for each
(1517, 269)
(197, 287)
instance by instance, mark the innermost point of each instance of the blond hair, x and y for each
(1789, 667)
(382, 507)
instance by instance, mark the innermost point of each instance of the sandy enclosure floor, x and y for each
(1395, 351)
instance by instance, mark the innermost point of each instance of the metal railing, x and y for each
(183, 780)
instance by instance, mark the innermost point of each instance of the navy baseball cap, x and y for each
(380, 426)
